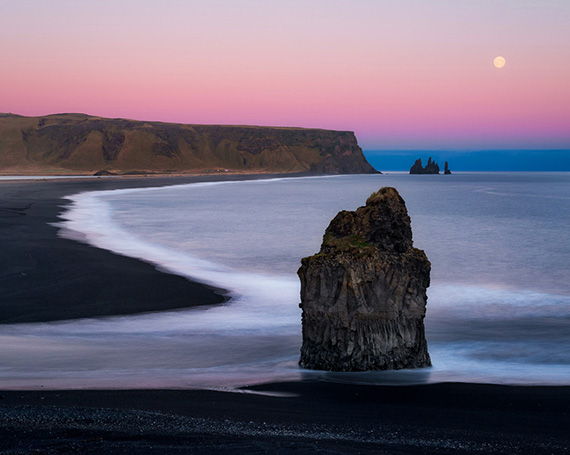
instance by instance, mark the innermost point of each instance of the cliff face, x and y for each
(86, 144)
(363, 295)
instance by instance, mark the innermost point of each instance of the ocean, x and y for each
(498, 305)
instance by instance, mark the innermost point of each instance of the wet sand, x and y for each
(45, 278)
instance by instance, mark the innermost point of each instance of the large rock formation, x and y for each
(417, 167)
(446, 169)
(78, 143)
(431, 167)
(363, 295)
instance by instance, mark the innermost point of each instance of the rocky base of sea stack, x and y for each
(364, 294)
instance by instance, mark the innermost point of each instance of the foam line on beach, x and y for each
(255, 338)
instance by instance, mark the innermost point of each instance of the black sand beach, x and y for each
(313, 417)
(45, 278)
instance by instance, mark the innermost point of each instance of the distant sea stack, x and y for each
(83, 144)
(363, 295)
(431, 167)
(446, 170)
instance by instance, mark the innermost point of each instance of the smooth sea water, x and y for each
(498, 308)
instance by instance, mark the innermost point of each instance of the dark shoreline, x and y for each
(311, 417)
(48, 278)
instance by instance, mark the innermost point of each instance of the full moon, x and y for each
(499, 62)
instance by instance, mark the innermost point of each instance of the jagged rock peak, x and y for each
(383, 223)
(364, 294)
(431, 167)
(417, 168)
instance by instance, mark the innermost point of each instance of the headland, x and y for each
(84, 144)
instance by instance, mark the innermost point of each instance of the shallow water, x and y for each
(498, 309)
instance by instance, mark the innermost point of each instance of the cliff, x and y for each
(78, 143)
(363, 295)
(431, 167)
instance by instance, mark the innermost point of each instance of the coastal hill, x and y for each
(83, 144)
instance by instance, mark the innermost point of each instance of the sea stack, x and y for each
(446, 169)
(431, 167)
(363, 295)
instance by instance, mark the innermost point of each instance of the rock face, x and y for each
(446, 169)
(417, 168)
(431, 167)
(85, 144)
(363, 295)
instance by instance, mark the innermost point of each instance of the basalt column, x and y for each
(363, 295)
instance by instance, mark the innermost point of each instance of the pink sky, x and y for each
(407, 74)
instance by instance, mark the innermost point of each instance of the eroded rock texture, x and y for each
(87, 144)
(363, 295)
